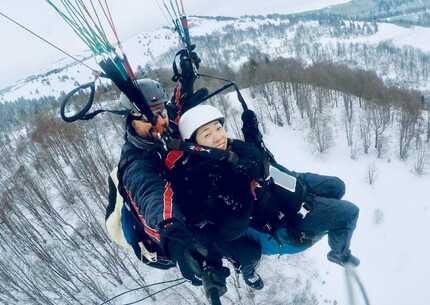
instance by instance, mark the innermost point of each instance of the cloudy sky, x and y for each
(22, 54)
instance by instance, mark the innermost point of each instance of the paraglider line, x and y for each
(159, 291)
(50, 43)
(143, 287)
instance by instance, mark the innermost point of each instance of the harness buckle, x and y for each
(144, 252)
(304, 210)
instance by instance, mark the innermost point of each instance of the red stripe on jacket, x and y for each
(150, 231)
(172, 157)
(168, 202)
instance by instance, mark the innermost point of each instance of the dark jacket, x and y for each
(203, 193)
(223, 194)
(214, 194)
(149, 193)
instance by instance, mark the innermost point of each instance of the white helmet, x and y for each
(197, 117)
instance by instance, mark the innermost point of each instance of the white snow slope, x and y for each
(394, 254)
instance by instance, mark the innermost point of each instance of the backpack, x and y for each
(125, 229)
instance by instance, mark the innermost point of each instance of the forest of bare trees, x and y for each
(53, 190)
(53, 175)
(299, 37)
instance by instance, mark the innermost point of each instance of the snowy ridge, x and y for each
(156, 48)
(415, 36)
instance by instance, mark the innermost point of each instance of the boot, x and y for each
(254, 281)
(343, 259)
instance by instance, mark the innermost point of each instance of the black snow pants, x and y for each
(244, 253)
(323, 212)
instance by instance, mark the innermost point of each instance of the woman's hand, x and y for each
(250, 162)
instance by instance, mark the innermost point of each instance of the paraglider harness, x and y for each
(117, 68)
(185, 71)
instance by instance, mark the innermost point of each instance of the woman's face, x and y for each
(212, 135)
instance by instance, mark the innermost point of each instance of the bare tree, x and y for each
(349, 126)
(269, 92)
(285, 95)
(301, 96)
(321, 135)
(380, 116)
(372, 173)
(365, 130)
(428, 127)
(407, 123)
(421, 159)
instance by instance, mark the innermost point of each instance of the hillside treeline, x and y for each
(355, 85)
(53, 175)
(314, 41)
(53, 195)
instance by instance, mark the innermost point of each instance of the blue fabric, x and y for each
(335, 217)
(127, 222)
(328, 213)
(269, 246)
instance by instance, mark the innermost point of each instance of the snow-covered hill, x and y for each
(392, 229)
(391, 235)
(53, 175)
(54, 192)
(234, 41)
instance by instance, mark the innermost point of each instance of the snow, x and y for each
(415, 36)
(393, 250)
(146, 47)
(150, 47)
(201, 27)
(394, 254)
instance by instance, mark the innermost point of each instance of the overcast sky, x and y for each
(23, 54)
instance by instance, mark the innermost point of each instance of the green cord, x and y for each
(103, 33)
(73, 25)
(80, 28)
(98, 42)
(87, 25)
(102, 40)
(76, 19)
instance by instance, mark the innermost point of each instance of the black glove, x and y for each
(195, 58)
(250, 126)
(250, 161)
(214, 278)
(195, 99)
(188, 76)
(186, 251)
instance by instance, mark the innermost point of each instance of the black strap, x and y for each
(212, 153)
(91, 115)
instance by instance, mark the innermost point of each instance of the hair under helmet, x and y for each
(197, 117)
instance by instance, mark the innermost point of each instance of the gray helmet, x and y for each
(152, 91)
